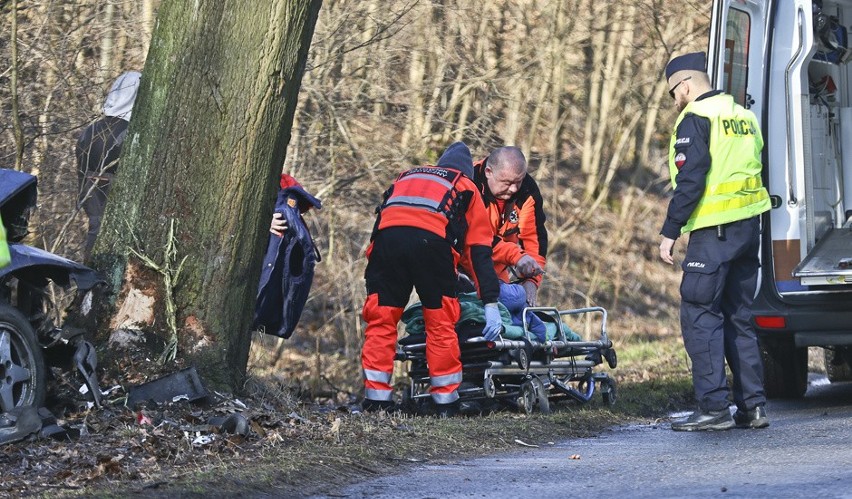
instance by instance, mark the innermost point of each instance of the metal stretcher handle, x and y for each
(557, 315)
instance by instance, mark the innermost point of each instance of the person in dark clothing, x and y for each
(98, 149)
(430, 216)
(715, 167)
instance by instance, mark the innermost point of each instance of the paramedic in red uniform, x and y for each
(516, 214)
(430, 216)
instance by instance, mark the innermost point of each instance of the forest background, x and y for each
(577, 84)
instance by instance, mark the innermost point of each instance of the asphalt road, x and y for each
(806, 451)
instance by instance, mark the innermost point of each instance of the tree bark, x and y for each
(204, 148)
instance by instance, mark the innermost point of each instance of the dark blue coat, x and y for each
(288, 268)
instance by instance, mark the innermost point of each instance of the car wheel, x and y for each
(22, 373)
(785, 368)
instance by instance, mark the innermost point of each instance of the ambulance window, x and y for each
(735, 72)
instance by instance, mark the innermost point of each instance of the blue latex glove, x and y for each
(493, 322)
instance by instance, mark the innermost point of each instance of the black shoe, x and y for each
(470, 408)
(378, 405)
(706, 421)
(444, 411)
(755, 418)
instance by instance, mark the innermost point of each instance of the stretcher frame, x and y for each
(524, 373)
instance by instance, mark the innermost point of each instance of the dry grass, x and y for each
(331, 449)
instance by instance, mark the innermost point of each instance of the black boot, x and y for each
(706, 421)
(755, 418)
(369, 405)
(447, 410)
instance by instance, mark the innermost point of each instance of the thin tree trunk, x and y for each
(595, 70)
(107, 40)
(13, 81)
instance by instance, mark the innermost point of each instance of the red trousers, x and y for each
(402, 259)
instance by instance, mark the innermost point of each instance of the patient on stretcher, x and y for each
(472, 317)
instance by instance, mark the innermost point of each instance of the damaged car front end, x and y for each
(30, 339)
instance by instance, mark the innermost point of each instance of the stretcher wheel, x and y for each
(489, 387)
(541, 396)
(526, 398)
(409, 404)
(523, 359)
(608, 391)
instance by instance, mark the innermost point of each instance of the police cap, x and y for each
(695, 61)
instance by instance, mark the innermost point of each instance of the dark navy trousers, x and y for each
(717, 290)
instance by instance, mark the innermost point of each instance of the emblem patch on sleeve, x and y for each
(291, 202)
(680, 160)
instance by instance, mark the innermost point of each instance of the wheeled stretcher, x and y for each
(526, 373)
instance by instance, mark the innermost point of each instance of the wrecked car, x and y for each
(30, 339)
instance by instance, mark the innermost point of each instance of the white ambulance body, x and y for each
(787, 61)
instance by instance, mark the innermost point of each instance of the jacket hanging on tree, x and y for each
(288, 267)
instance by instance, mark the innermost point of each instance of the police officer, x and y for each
(516, 213)
(430, 216)
(715, 166)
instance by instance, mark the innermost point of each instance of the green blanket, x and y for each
(472, 311)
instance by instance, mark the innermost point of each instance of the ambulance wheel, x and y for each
(837, 364)
(543, 402)
(526, 397)
(608, 392)
(22, 374)
(785, 367)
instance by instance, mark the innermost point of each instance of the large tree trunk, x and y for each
(204, 149)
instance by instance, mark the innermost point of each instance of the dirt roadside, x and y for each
(292, 449)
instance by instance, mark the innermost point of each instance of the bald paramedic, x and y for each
(516, 216)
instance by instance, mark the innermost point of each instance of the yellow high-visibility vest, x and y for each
(734, 189)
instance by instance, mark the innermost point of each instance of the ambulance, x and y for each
(789, 62)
